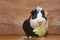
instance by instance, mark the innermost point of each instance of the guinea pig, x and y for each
(37, 16)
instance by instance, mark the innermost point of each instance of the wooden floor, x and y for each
(48, 37)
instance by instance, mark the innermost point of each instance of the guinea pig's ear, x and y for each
(46, 13)
(32, 12)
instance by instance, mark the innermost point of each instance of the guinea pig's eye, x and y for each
(43, 12)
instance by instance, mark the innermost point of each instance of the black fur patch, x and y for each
(43, 14)
(34, 14)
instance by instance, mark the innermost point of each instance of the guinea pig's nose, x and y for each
(39, 23)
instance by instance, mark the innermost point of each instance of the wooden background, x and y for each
(14, 12)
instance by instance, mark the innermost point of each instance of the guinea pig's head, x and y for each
(38, 15)
(38, 12)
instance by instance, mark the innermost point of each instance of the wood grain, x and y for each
(14, 12)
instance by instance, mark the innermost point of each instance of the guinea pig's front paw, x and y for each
(30, 36)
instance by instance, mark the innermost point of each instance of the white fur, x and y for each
(34, 22)
(39, 8)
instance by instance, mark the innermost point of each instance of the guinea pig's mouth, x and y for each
(39, 23)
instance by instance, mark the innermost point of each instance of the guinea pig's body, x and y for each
(28, 29)
(37, 15)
